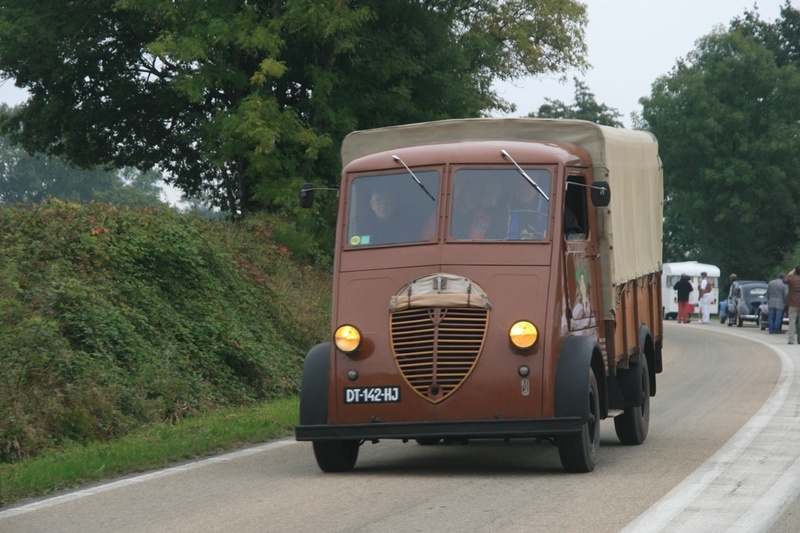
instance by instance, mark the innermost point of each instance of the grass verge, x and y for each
(150, 448)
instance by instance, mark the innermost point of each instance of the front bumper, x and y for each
(547, 427)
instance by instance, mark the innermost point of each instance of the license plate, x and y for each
(372, 395)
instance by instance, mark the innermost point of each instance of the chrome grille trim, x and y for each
(436, 348)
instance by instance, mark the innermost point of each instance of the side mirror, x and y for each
(307, 195)
(601, 194)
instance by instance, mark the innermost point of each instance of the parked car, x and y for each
(730, 298)
(744, 301)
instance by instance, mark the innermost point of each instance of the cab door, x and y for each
(581, 258)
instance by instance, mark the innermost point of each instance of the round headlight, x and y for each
(347, 339)
(523, 334)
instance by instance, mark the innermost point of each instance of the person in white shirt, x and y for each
(705, 289)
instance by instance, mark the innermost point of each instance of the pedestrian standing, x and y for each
(684, 288)
(792, 279)
(723, 298)
(705, 289)
(776, 300)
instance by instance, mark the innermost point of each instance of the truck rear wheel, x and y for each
(336, 455)
(632, 425)
(578, 451)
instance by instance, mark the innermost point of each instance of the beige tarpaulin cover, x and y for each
(440, 290)
(630, 228)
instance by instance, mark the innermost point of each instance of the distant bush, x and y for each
(113, 317)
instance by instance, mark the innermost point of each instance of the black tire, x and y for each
(578, 451)
(336, 455)
(633, 424)
(739, 321)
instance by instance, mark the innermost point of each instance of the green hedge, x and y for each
(112, 317)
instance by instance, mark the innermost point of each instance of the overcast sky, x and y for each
(631, 43)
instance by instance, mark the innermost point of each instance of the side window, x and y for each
(576, 225)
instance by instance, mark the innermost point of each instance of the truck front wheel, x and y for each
(632, 425)
(578, 451)
(336, 455)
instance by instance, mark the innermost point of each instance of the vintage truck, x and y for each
(493, 279)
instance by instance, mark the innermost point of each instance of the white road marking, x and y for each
(746, 485)
(57, 500)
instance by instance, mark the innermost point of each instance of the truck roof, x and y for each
(630, 227)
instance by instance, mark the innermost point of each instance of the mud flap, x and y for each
(314, 385)
(629, 381)
(572, 377)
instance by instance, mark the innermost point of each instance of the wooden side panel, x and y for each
(638, 303)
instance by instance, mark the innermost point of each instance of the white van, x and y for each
(670, 275)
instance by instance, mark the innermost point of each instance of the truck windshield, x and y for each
(392, 208)
(500, 204)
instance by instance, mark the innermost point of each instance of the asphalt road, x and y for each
(723, 454)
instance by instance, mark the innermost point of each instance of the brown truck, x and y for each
(493, 278)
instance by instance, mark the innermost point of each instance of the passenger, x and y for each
(527, 213)
(471, 220)
(572, 227)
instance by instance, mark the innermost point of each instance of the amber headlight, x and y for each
(347, 339)
(523, 334)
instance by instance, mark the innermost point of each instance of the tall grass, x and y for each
(150, 447)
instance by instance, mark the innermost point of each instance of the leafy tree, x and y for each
(585, 107)
(26, 179)
(728, 123)
(134, 188)
(239, 101)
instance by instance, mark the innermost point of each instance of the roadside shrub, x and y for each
(115, 317)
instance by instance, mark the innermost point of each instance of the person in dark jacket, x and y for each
(684, 288)
(723, 298)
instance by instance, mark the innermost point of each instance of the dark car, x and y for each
(730, 298)
(744, 301)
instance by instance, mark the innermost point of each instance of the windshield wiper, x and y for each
(397, 158)
(530, 180)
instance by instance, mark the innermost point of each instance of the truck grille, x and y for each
(436, 348)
